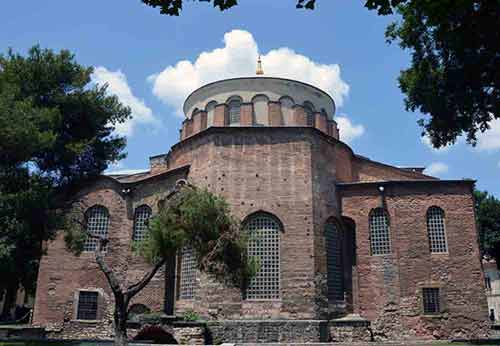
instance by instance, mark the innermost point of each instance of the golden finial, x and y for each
(260, 71)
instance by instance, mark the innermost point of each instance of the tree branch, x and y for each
(110, 276)
(137, 287)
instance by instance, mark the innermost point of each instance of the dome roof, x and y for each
(248, 88)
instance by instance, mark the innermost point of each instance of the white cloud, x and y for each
(117, 85)
(347, 130)
(436, 169)
(490, 140)
(238, 58)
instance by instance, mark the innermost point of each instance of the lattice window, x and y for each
(435, 230)
(264, 245)
(335, 278)
(141, 220)
(234, 112)
(187, 287)
(431, 300)
(87, 305)
(309, 110)
(380, 242)
(97, 220)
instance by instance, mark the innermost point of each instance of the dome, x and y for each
(248, 88)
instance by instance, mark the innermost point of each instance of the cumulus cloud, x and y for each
(347, 130)
(436, 169)
(118, 85)
(237, 59)
(490, 140)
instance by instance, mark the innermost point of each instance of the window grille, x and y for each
(141, 220)
(188, 273)
(308, 108)
(264, 246)
(234, 112)
(431, 300)
(97, 222)
(335, 278)
(436, 231)
(380, 241)
(87, 305)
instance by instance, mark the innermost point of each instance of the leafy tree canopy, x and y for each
(174, 7)
(454, 74)
(56, 130)
(488, 221)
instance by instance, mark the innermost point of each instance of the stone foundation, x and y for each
(267, 331)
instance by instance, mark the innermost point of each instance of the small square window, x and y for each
(431, 301)
(87, 305)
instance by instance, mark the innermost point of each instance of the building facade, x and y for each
(349, 248)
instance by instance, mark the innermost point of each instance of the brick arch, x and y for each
(261, 109)
(265, 213)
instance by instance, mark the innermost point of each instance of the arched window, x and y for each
(97, 222)
(234, 110)
(141, 219)
(187, 284)
(210, 109)
(287, 110)
(436, 230)
(264, 245)
(309, 109)
(261, 110)
(380, 240)
(335, 273)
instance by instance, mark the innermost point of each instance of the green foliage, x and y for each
(488, 221)
(56, 131)
(453, 77)
(174, 7)
(203, 221)
(191, 316)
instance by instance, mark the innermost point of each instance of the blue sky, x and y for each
(340, 47)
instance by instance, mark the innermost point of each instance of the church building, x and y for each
(349, 248)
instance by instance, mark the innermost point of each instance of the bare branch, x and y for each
(110, 276)
(137, 287)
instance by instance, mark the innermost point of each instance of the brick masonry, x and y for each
(303, 177)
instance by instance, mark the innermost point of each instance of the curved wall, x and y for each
(263, 101)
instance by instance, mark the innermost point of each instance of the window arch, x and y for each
(234, 104)
(210, 109)
(261, 110)
(97, 222)
(335, 273)
(187, 284)
(309, 110)
(264, 245)
(436, 230)
(380, 240)
(141, 219)
(287, 110)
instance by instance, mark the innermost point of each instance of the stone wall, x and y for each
(390, 286)
(258, 331)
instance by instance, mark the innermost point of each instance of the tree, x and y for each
(56, 132)
(173, 7)
(454, 74)
(488, 221)
(191, 217)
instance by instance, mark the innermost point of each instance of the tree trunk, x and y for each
(120, 319)
(10, 300)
